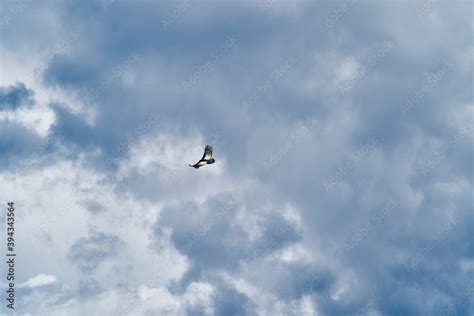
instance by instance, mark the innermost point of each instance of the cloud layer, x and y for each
(343, 144)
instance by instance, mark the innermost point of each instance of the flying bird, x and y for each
(206, 158)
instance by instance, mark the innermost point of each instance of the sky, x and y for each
(342, 134)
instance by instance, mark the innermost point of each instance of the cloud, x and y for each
(11, 98)
(39, 280)
(88, 252)
(131, 229)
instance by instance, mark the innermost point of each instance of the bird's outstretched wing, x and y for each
(207, 153)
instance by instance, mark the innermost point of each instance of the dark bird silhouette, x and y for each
(206, 158)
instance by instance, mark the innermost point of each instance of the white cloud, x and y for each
(39, 280)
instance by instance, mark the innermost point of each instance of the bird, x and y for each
(206, 158)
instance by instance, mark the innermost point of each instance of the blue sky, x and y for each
(342, 133)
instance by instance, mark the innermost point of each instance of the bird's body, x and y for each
(206, 158)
